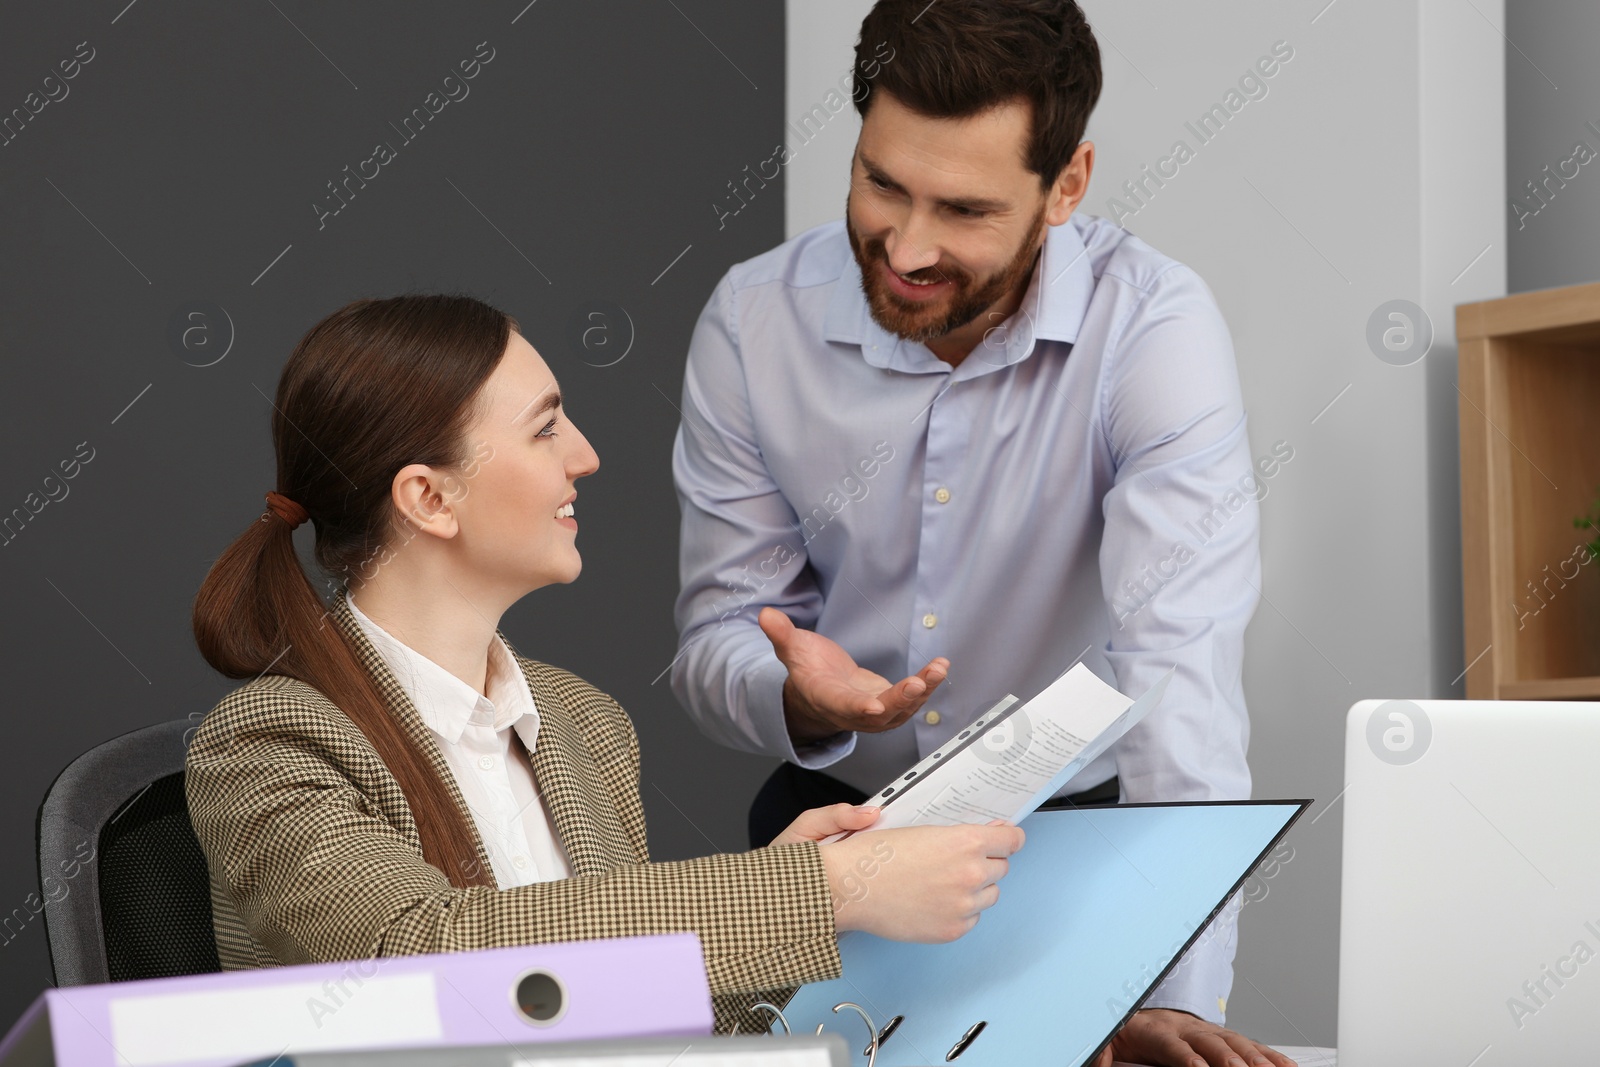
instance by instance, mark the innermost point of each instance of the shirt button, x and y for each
(942, 495)
(486, 762)
(930, 620)
(521, 861)
(931, 718)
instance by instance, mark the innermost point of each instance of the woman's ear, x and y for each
(424, 498)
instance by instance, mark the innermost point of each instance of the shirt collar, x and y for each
(446, 703)
(1052, 309)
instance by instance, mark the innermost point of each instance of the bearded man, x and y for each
(960, 438)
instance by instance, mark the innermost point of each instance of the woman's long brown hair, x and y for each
(375, 386)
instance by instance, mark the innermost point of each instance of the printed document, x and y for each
(1015, 756)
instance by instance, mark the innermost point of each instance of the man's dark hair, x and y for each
(955, 58)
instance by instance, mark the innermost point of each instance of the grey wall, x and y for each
(1369, 171)
(182, 165)
(1552, 108)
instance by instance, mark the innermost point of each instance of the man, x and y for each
(965, 438)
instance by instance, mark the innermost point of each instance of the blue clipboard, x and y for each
(1096, 909)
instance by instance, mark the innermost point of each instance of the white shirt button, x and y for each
(942, 495)
(521, 861)
(931, 718)
(930, 620)
(486, 762)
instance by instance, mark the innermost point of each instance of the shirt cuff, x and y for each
(1213, 1015)
(1202, 979)
(764, 697)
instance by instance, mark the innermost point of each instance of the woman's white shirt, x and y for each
(474, 734)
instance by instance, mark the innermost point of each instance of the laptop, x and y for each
(1470, 902)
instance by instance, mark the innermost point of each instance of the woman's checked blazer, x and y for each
(314, 855)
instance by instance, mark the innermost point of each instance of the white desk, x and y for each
(1303, 1055)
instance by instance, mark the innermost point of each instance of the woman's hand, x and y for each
(918, 883)
(818, 823)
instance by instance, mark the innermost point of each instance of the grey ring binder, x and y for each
(680, 1051)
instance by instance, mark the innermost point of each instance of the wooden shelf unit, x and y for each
(1530, 464)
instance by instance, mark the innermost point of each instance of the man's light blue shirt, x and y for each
(1080, 486)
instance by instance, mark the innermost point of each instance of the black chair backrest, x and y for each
(125, 888)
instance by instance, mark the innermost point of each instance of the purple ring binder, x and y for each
(606, 988)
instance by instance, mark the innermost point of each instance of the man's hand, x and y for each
(1166, 1038)
(826, 692)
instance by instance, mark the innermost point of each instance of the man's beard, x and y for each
(969, 299)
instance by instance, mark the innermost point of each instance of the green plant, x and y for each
(1591, 522)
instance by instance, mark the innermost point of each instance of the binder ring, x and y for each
(888, 1030)
(775, 1010)
(872, 1029)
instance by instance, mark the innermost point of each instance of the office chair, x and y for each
(114, 831)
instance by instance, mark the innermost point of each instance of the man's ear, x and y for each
(1070, 186)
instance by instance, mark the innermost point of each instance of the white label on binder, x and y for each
(269, 1019)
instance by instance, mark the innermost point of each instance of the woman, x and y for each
(396, 779)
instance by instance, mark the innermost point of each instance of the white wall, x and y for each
(820, 50)
(1372, 169)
